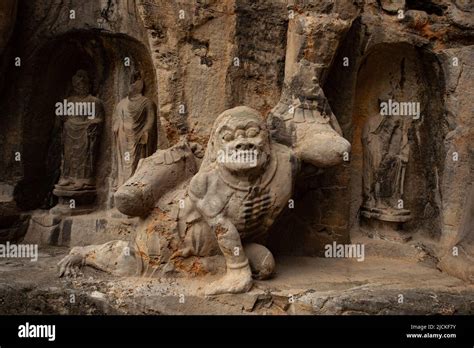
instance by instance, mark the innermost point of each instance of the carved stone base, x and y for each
(74, 202)
(47, 228)
(65, 210)
(387, 230)
(389, 215)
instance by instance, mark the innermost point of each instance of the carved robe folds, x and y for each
(80, 138)
(386, 151)
(135, 133)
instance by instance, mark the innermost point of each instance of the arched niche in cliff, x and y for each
(102, 56)
(397, 158)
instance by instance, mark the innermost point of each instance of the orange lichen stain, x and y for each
(220, 231)
(265, 110)
(298, 9)
(310, 51)
(159, 217)
(440, 35)
(150, 228)
(200, 139)
(191, 266)
(171, 134)
(142, 254)
(154, 261)
(197, 268)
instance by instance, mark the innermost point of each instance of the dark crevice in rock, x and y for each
(428, 6)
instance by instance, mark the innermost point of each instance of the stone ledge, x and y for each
(302, 285)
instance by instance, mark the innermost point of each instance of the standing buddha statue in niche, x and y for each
(386, 152)
(135, 130)
(82, 114)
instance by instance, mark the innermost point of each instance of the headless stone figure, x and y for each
(80, 137)
(135, 130)
(227, 208)
(385, 154)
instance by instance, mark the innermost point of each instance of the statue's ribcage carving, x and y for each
(253, 213)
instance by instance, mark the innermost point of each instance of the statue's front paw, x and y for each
(130, 200)
(69, 266)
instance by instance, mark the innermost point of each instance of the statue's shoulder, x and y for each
(286, 157)
(93, 98)
(209, 193)
(149, 103)
(144, 100)
(123, 101)
(149, 100)
(283, 151)
(145, 103)
(198, 186)
(90, 99)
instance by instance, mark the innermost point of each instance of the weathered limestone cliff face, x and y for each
(211, 55)
(199, 58)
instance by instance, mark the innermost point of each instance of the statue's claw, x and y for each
(69, 266)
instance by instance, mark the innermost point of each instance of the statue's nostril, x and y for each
(245, 146)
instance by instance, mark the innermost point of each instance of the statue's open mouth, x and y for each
(249, 158)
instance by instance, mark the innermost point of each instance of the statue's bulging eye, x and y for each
(252, 132)
(239, 133)
(227, 136)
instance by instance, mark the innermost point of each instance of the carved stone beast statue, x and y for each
(191, 213)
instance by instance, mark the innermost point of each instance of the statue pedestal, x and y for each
(385, 223)
(386, 214)
(74, 202)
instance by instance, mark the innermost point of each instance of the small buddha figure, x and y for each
(82, 115)
(135, 130)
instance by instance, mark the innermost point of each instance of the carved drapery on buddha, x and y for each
(82, 115)
(385, 156)
(135, 130)
(81, 129)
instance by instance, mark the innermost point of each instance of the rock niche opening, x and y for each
(397, 151)
(109, 61)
